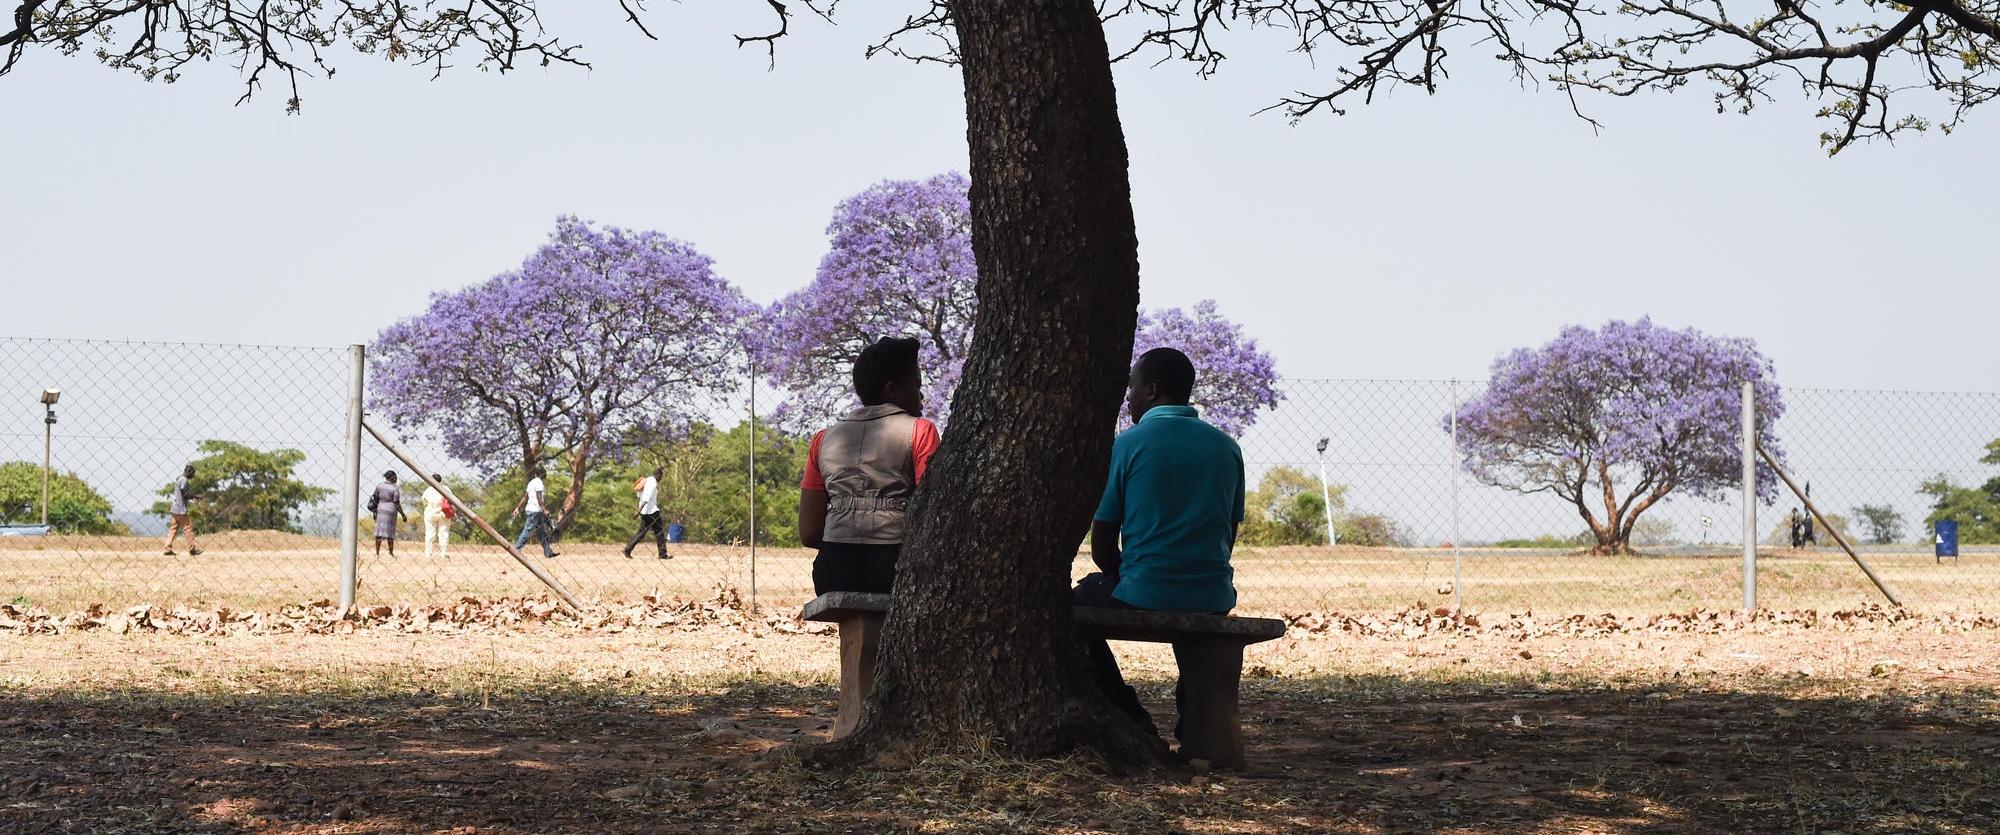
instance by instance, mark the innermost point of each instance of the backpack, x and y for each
(449, 511)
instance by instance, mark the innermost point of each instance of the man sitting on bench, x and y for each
(1175, 498)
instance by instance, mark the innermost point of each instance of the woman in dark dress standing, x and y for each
(387, 503)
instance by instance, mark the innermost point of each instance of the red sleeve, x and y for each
(923, 444)
(813, 480)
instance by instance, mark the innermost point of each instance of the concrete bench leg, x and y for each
(1210, 728)
(857, 667)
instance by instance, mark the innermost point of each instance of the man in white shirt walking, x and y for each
(535, 502)
(648, 489)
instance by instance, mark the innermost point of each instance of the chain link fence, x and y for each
(266, 429)
(129, 417)
(1357, 503)
(1410, 526)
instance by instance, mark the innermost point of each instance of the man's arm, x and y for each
(812, 517)
(1104, 551)
(1236, 511)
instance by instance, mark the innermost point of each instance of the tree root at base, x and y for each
(1120, 744)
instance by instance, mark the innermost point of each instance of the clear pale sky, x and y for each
(1418, 237)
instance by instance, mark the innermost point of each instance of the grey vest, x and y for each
(870, 472)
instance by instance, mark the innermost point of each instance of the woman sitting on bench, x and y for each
(860, 472)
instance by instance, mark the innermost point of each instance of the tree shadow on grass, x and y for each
(1329, 754)
(1412, 755)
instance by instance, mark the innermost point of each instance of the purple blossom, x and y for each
(900, 263)
(1638, 410)
(601, 333)
(1234, 379)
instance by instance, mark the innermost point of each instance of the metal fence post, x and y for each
(1749, 496)
(753, 484)
(1457, 558)
(1326, 496)
(350, 488)
(48, 446)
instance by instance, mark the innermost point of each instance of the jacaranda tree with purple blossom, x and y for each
(1617, 419)
(899, 263)
(602, 333)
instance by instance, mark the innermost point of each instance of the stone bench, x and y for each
(1208, 648)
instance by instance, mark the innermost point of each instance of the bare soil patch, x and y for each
(1863, 725)
(253, 570)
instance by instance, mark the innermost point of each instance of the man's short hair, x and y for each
(890, 358)
(536, 471)
(1169, 369)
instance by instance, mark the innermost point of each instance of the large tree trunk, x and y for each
(977, 649)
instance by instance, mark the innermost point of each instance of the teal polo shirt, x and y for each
(1176, 494)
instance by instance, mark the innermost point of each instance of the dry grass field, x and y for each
(262, 570)
(1859, 725)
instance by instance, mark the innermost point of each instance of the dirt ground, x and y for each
(1370, 725)
(264, 570)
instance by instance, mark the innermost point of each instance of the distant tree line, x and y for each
(1975, 509)
(1287, 509)
(74, 507)
(703, 487)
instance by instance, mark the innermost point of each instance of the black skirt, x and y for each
(846, 566)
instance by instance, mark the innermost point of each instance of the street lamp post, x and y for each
(1326, 496)
(49, 398)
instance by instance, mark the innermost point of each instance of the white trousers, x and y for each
(437, 529)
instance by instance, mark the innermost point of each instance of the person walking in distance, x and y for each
(648, 489)
(534, 501)
(178, 518)
(387, 505)
(438, 514)
(855, 496)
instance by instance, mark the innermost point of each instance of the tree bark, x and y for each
(579, 468)
(1601, 532)
(977, 652)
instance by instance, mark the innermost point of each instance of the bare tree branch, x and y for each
(1882, 65)
(1619, 48)
(157, 38)
(823, 8)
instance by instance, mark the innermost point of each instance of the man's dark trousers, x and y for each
(1095, 590)
(536, 525)
(649, 522)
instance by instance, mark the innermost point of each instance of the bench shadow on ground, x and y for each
(1362, 754)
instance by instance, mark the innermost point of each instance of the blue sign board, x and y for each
(1947, 538)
